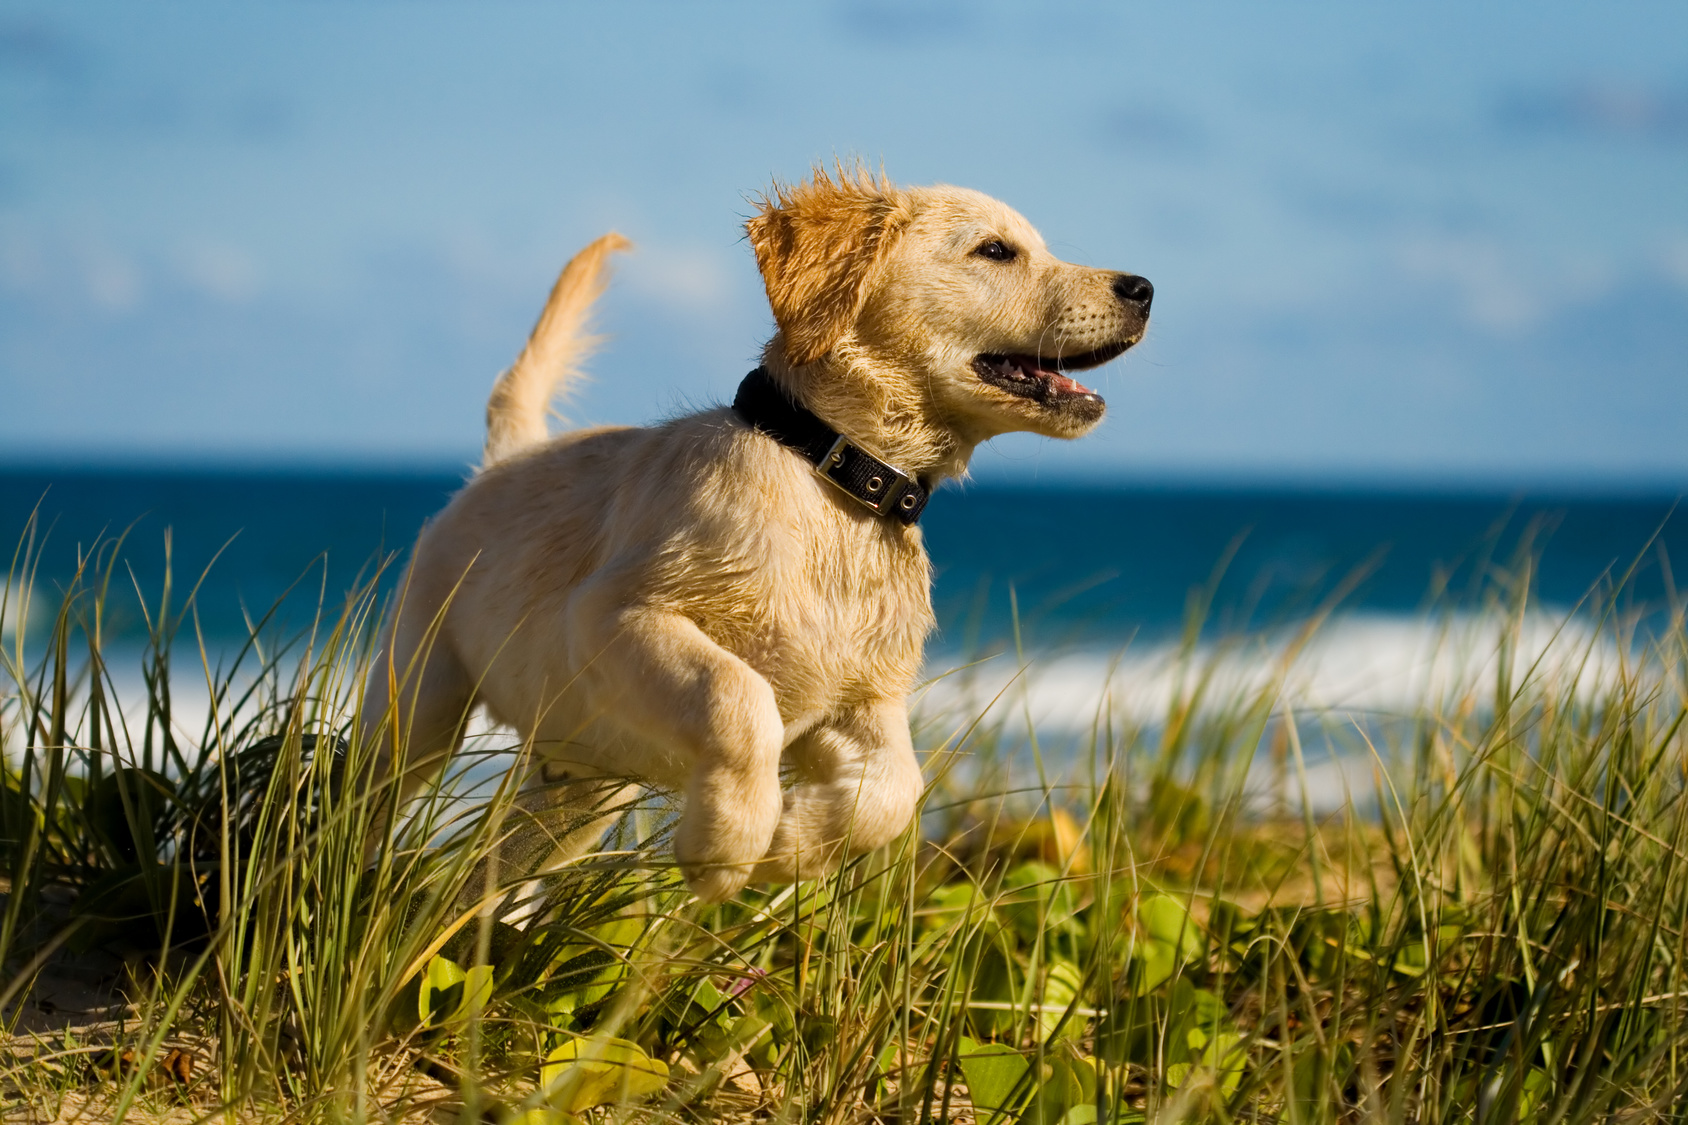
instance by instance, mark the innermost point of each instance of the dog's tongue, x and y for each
(1061, 383)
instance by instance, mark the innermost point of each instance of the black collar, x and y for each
(885, 489)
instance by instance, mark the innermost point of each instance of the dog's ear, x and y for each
(819, 246)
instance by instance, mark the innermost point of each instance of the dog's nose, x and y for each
(1134, 290)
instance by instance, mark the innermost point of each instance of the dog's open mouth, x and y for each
(1040, 377)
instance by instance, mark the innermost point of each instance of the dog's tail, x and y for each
(521, 399)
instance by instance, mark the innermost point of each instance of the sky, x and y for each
(1437, 241)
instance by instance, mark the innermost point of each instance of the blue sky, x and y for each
(1430, 241)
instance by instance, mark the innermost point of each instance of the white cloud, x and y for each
(21, 262)
(1491, 292)
(86, 266)
(226, 273)
(692, 280)
(1673, 257)
(1498, 287)
(113, 279)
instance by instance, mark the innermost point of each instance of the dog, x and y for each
(698, 604)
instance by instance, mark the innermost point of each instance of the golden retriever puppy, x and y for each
(696, 604)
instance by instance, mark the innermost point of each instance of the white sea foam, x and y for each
(1368, 664)
(1354, 672)
(1358, 668)
(191, 703)
(13, 609)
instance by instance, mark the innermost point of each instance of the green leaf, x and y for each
(1036, 900)
(995, 977)
(773, 1008)
(1322, 939)
(1216, 1063)
(1069, 1086)
(992, 1071)
(584, 1073)
(711, 1000)
(1230, 926)
(477, 990)
(756, 1037)
(1225, 1055)
(886, 1065)
(441, 991)
(816, 1031)
(1167, 920)
(1168, 939)
(586, 977)
(1410, 961)
(1537, 1088)
(951, 905)
(1194, 1017)
(1316, 1079)
(1152, 965)
(449, 993)
(1060, 988)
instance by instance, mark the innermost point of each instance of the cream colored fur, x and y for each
(689, 605)
(521, 399)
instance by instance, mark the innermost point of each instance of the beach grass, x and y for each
(1146, 921)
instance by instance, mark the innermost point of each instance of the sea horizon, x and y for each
(1048, 564)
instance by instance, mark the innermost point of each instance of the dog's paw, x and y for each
(716, 882)
(725, 830)
(716, 865)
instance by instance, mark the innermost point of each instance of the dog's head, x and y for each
(940, 301)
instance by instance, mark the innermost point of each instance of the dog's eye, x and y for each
(996, 251)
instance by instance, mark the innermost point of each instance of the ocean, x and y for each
(1089, 597)
(1070, 565)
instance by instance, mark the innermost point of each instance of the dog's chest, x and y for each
(845, 619)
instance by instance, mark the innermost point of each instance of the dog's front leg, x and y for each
(860, 788)
(657, 674)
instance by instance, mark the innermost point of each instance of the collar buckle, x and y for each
(882, 487)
